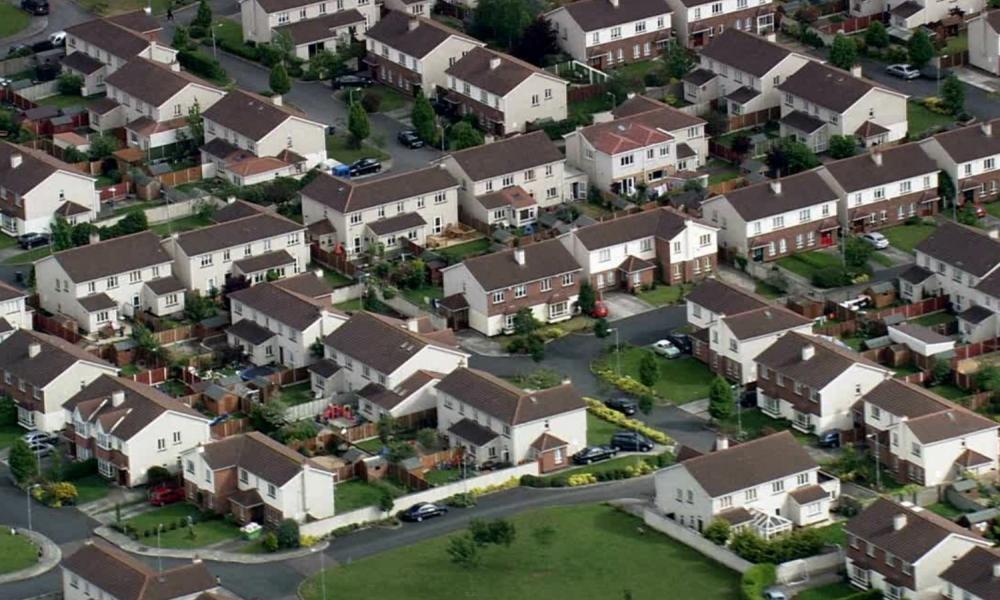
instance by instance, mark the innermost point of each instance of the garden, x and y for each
(906, 237)
(182, 526)
(675, 381)
(16, 551)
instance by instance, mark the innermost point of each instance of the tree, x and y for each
(940, 370)
(422, 117)
(876, 35)
(843, 52)
(587, 298)
(503, 21)
(69, 84)
(198, 308)
(857, 252)
(82, 233)
(967, 216)
(156, 475)
(388, 426)
(8, 411)
(22, 461)
(279, 81)
(386, 502)
(102, 146)
(196, 126)
(678, 60)
(790, 156)
(463, 551)
(134, 221)
(284, 44)
(203, 18)
(953, 94)
(919, 49)
(601, 328)
(463, 135)
(946, 187)
(988, 378)
(649, 369)
(498, 532)
(525, 322)
(720, 399)
(268, 417)
(357, 124)
(843, 146)
(537, 42)
(62, 234)
(288, 534)
(717, 532)
(182, 38)
(327, 65)
(428, 438)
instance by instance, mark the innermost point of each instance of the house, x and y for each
(250, 139)
(902, 550)
(984, 42)
(606, 33)
(698, 22)
(954, 260)
(542, 277)
(101, 283)
(34, 186)
(504, 93)
(975, 575)
(768, 485)
(414, 394)
(255, 478)
(904, 16)
(737, 327)
(129, 427)
(154, 104)
(529, 161)
(741, 72)
(99, 47)
(923, 342)
(99, 570)
(495, 421)
(981, 320)
(372, 348)
(393, 211)
(250, 247)
(411, 53)
(14, 311)
(41, 372)
(969, 155)
(925, 439)
(884, 187)
(262, 19)
(813, 383)
(278, 322)
(820, 101)
(643, 148)
(328, 32)
(413, 7)
(638, 250)
(768, 220)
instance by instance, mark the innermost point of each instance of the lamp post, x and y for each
(215, 51)
(878, 468)
(322, 578)
(618, 353)
(612, 96)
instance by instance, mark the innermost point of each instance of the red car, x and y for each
(163, 495)
(980, 211)
(600, 310)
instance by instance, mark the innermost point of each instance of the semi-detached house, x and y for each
(328, 32)
(970, 156)
(976, 575)
(697, 22)
(14, 311)
(129, 427)
(262, 19)
(543, 278)
(414, 394)
(101, 283)
(391, 211)
(984, 42)
(606, 33)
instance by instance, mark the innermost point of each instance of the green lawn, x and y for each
(180, 225)
(956, 44)
(299, 393)
(948, 391)
(12, 20)
(9, 433)
(419, 295)
(350, 305)
(664, 294)
(438, 477)
(808, 263)
(16, 552)
(583, 108)
(768, 291)
(600, 467)
(946, 510)
(921, 120)
(332, 277)
(938, 318)
(355, 494)
(834, 534)
(7, 241)
(596, 553)
(339, 147)
(993, 208)
(754, 424)
(113, 7)
(228, 32)
(372, 446)
(599, 431)
(62, 101)
(906, 237)
(855, 342)
(26, 258)
(639, 69)
(720, 171)
(391, 99)
(91, 488)
(833, 591)
(460, 252)
(681, 379)
(206, 533)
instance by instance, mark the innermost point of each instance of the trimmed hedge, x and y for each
(597, 408)
(757, 579)
(202, 65)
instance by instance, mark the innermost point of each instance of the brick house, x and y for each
(969, 155)
(772, 219)
(607, 33)
(697, 22)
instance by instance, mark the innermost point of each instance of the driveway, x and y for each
(621, 305)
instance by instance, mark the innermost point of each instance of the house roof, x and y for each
(264, 262)
(722, 298)
(969, 143)
(128, 578)
(736, 516)
(701, 76)
(470, 431)
(142, 405)
(325, 368)
(975, 571)
(509, 155)
(638, 130)
(383, 344)
(152, 82)
(165, 285)
(662, 223)
(990, 285)
(906, 9)
(309, 284)
(514, 196)
(56, 356)
(68, 209)
(826, 86)
(295, 310)
(764, 321)
(916, 274)
(116, 38)
(82, 63)
(346, 196)
(827, 363)
(272, 461)
(591, 15)
(754, 463)
(803, 121)
(320, 28)
(103, 106)
(96, 302)
(745, 52)
(897, 163)
(904, 399)
(971, 458)
(964, 247)
(111, 257)
(401, 222)
(236, 232)
(920, 332)
(634, 264)
(248, 114)
(949, 424)
(922, 531)
(500, 269)
(250, 331)
(975, 314)
(236, 209)
(495, 72)
(9, 292)
(993, 18)
(870, 129)
(35, 167)
(742, 95)
(415, 36)
(796, 191)
(546, 442)
(137, 20)
(809, 494)
(507, 402)
(380, 395)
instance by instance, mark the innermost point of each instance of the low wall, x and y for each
(408, 309)
(720, 554)
(348, 292)
(365, 515)
(963, 502)
(39, 90)
(306, 410)
(806, 568)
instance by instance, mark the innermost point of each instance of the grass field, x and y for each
(664, 294)
(905, 237)
(599, 431)
(768, 291)
(420, 294)
(350, 305)
(62, 101)
(946, 510)
(595, 553)
(459, 252)
(391, 99)
(807, 264)
(7, 241)
(9, 433)
(921, 120)
(994, 209)
(26, 258)
(355, 494)
(754, 424)
(207, 533)
(180, 225)
(681, 379)
(834, 534)
(938, 318)
(16, 552)
(339, 147)
(948, 391)
(91, 488)
(113, 7)
(12, 20)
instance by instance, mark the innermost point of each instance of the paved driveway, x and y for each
(622, 305)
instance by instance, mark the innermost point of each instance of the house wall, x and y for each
(520, 108)
(570, 36)
(544, 182)
(746, 350)
(984, 46)
(33, 211)
(858, 204)
(258, 24)
(583, 46)
(938, 460)
(955, 282)
(571, 427)
(429, 358)
(738, 234)
(879, 106)
(142, 451)
(689, 20)
(175, 107)
(49, 415)
(16, 313)
(427, 72)
(731, 79)
(290, 344)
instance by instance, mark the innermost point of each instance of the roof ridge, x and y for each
(744, 445)
(114, 239)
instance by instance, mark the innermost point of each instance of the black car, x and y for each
(593, 454)
(443, 107)
(631, 441)
(830, 439)
(424, 510)
(626, 406)
(331, 130)
(681, 340)
(410, 139)
(32, 240)
(35, 7)
(365, 166)
(355, 80)
(749, 399)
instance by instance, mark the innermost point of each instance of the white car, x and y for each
(876, 239)
(665, 348)
(58, 38)
(40, 448)
(33, 437)
(902, 71)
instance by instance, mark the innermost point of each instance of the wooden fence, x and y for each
(729, 185)
(957, 59)
(65, 329)
(175, 178)
(759, 117)
(333, 260)
(112, 193)
(152, 376)
(975, 349)
(584, 92)
(177, 334)
(230, 427)
(409, 479)
(850, 24)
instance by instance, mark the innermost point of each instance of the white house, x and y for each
(698, 22)
(35, 186)
(607, 33)
(129, 427)
(413, 395)
(984, 42)
(976, 574)
(261, 19)
(329, 32)
(921, 340)
(969, 155)
(14, 311)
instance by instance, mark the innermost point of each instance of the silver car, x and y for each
(667, 349)
(902, 71)
(876, 239)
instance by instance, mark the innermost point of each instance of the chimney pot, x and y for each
(721, 443)
(15, 160)
(877, 158)
(413, 23)
(117, 397)
(34, 349)
(899, 521)
(996, 570)
(986, 127)
(808, 351)
(494, 62)
(276, 100)
(856, 70)
(519, 256)
(776, 186)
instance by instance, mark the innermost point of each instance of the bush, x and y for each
(831, 277)
(717, 532)
(202, 65)
(156, 475)
(581, 479)
(270, 542)
(655, 78)
(597, 408)
(463, 500)
(757, 579)
(371, 102)
(56, 494)
(288, 534)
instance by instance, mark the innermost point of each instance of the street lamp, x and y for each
(618, 353)
(322, 578)
(878, 468)
(215, 51)
(612, 95)
(27, 494)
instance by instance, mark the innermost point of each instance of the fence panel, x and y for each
(306, 410)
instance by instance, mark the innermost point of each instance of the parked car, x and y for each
(876, 239)
(600, 310)
(830, 439)
(365, 166)
(903, 71)
(162, 495)
(424, 510)
(38, 437)
(35, 7)
(32, 240)
(979, 210)
(681, 340)
(775, 594)
(626, 406)
(592, 454)
(665, 348)
(354, 80)
(58, 38)
(631, 441)
(749, 399)
(410, 139)
(443, 107)
(41, 449)
(331, 130)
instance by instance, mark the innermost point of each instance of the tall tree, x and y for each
(843, 52)
(537, 42)
(843, 146)
(196, 125)
(279, 81)
(876, 35)
(463, 135)
(357, 124)
(22, 461)
(203, 18)
(587, 298)
(919, 49)
(422, 118)
(953, 94)
(62, 234)
(649, 369)
(503, 21)
(678, 60)
(720, 399)
(790, 157)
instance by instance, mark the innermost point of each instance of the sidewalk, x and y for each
(50, 557)
(977, 79)
(129, 545)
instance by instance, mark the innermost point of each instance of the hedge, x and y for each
(597, 408)
(757, 579)
(626, 383)
(202, 65)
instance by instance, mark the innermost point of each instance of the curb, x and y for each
(50, 557)
(130, 545)
(30, 31)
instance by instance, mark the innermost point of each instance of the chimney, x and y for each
(856, 70)
(34, 349)
(776, 187)
(230, 199)
(494, 62)
(413, 325)
(877, 158)
(276, 100)
(94, 238)
(412, 24)
(721, 443)
(898, 521)
(996, 570)
(614, 3)
(808, 351)
(519, 256)
(986, 127)
(117, 397)
(15, 160)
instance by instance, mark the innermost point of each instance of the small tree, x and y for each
(279, 81)
(953, 94)
(601, 328)
(946, 187)
(587, 298)
(156, 475)
(463, 135)
(538, 41)
(62, 234)
(717, 532)
(386, 502)
(843, 52)
(678, 60)
(843, 146)
(422, 117)
(357, 124)
(288, 534)
(919, 49)
(387, 427)
(649, 369)
(198, 308)
(268, 417)
(102, 146)
(428, 438)
(22, 461)
(525, 322)
(790, 157)
(196, 127)
(182, 38)
(203, 18)
(720, 399)
(876, 35)
(940, 371)
(967, 216)
(69, 84)
(464, 552)
(857, 252)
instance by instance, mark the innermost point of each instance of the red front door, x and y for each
(826, 238)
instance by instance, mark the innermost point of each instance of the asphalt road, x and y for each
(62, 14)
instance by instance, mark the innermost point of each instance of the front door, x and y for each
(826, 238)
(758, 254)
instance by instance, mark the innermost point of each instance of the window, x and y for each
(177, 437)
(206, 260)
(626, 160)
(705, 240)
(805, 215)
(802, 479)
(244, 476)
(91, 287)
(567, 279)
(616, 33)
(520, 291)
(989, 164)
(717, 8)
(498, 297)
(876, 413)
(726, 502)
(778, 222)
(659, 23)
(161, 444)
(112, 282)
(751, 494)
(534, 100)
(595, 38)
(189, 466)
(915, 449)
(640, 26)
(508, 181)
(271, 490)
(546, 284)
(778, 486)
(604, 255)
(690, 497)
(551, 192)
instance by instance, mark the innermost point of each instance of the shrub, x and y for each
(288, 534)
(757, 579)
(78, 470)
(581, 479)
(156, 475)
(830, 277)
(655, 78)
(463, 500)
(717, 532)
(270, 542)
(371, 102)
(202, 65)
